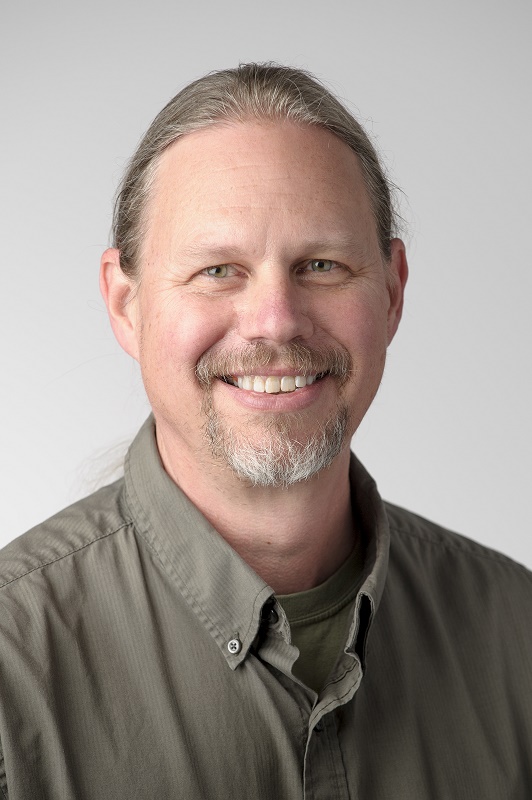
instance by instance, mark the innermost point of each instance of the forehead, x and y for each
(279, 176)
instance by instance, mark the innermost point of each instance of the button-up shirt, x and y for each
(140, 657)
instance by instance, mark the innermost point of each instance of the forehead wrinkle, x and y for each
(216, 253)
(350, 244)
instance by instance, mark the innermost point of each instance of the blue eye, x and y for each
(217, 272)
(321, 265)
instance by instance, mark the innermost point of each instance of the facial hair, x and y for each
(280, 456)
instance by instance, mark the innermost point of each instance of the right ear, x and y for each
(119, 293)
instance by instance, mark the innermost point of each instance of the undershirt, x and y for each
(319, 620)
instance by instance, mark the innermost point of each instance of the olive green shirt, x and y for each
(319, 620)
(142, 659)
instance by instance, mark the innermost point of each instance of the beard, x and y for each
(274, 451)
(278, 460)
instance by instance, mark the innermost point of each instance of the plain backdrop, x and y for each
(445, 90)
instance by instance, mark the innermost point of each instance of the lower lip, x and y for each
(283, 401)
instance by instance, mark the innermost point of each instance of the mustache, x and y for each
(299, 358)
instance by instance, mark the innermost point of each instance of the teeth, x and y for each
(273, 384)
(288, 384)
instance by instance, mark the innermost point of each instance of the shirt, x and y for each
(140, 658)
(319, 620)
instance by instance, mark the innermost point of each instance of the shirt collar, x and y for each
(373, 522)
(221, 589)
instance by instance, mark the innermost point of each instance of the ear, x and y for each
(119, 293)
(396, 280)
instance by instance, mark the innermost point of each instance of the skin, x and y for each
(265, 199)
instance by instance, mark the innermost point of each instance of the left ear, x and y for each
(396, 281)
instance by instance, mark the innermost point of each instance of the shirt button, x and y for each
(269, 614)
(234, 646)
(318, 727)
(273, 616)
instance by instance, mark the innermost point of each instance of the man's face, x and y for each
(261, 272)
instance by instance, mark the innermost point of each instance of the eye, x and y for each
(220, 271)
(321, 265)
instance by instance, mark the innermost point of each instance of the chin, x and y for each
(282, 456)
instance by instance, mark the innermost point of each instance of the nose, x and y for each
(275, 309)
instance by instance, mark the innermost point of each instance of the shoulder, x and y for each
(71, 531)
(440, 559)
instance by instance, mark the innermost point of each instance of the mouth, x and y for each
(272, 384)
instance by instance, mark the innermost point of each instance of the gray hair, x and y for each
(249, 91)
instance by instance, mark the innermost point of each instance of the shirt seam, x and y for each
(66, 555)
(339, 678)
(336, 700)
(493, 556)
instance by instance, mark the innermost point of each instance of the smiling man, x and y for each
(241, 615)
(261, 269)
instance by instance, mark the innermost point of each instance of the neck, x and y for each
(294, 538)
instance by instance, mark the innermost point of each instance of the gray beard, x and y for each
(278, 461)
(278, 457)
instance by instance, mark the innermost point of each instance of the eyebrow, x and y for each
(354, 245)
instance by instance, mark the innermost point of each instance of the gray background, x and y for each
(445, 90)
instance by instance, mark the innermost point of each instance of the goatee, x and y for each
(279, 455)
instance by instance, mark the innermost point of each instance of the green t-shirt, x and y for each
(319, 620)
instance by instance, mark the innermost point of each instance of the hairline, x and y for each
(250, 92)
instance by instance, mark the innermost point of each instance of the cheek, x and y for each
(362, 328)
(180, 332)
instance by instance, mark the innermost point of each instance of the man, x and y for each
(241, 615)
